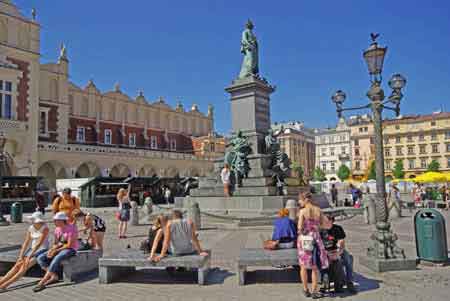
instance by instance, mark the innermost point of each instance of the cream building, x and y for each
(362, 144)
(57, 129)
(333, 149)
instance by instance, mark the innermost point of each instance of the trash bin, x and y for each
(431, 237)
(16, 212)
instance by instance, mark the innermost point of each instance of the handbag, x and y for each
(270, 244)
(117, 215)
(307, 242)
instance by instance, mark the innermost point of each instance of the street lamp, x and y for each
(383, 241)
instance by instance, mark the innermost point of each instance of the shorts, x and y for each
(36, 254)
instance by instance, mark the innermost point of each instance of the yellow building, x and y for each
(211, 146)
(416, 140)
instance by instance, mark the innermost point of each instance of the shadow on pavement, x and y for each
(366, 284)
(272, 276)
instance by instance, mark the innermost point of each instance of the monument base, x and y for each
(388, 265)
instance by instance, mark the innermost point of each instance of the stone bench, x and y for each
(83, 262)
(262, 257)
(113, 266)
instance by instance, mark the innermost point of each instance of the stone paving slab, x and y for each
(425, 283)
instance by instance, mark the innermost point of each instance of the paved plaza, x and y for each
(426, 283)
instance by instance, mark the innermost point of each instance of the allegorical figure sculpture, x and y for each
(236, 156)
(280, 163)
(249, 48)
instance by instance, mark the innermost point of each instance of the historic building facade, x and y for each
(57, 129)
(333, 149)
(211, 146)
(298, 142)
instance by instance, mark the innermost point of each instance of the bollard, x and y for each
(134, 214)
(194, 215)
(148, 207)
(370, 211)
(292, 206)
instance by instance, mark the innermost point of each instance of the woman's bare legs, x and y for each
(13, 271)
(314, 279)
(22, 270)
(304, 277)
(99, 236)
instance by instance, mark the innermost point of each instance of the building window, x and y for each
(356, 151)
(433, 137)
(324, 166)
(333, 168)
(324, 151)
(422, 149)
(433, 123)
(448, 147)
(5, 100)
(447, 135)
(386, 140)
(356, 142)
(132, 140)
(398, 139)
(397, 127)
(331, 139)
(399, 151)
(331, 151)
(344, 150)
(81, 134)
(435, 148)
(409, 139)
(421, 137)
(387, 151)
(357, 165)
(371, 140)
(108, 136)
(448, 162)
(153, 142)
(43, 121)
(410, 150)
(173, 144)
(423, 163)
(411, 164)
(388, 164)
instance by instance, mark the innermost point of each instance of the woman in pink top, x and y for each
(64, 246)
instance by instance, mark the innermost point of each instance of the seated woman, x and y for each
(156, 236)
(92, 225)
(64, 246)
(37, 234)
(180, 238)
(284, 230)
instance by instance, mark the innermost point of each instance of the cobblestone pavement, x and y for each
(426, 283)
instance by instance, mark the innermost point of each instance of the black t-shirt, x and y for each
(330, 237)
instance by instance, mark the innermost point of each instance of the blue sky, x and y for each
(189, 50)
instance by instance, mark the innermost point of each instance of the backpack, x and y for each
(74, 201)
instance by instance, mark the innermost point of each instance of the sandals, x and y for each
(306, 293)
(39, 288)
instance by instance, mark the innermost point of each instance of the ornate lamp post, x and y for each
(383, 241)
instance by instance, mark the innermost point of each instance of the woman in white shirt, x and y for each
(225, 176)
(37, 235)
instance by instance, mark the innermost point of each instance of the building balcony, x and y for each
(115, 151)
(344, 157)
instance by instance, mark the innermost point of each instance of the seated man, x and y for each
(180, 238)
(334, 242)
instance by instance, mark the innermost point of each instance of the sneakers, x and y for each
(351, 288)
(326, 282)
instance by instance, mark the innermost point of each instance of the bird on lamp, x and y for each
(374, 36)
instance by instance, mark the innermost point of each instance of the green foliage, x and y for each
(434, 166)
(398, 170)
(319, 175)
(298, 169)
(343, 172)
(372, 171)
(388, 178)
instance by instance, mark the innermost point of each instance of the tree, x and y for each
(434, 166)
(398, 170)
(298, 169)
(319, 175)
(372, 171)
(343, 172)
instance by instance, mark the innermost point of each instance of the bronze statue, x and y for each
(249, 47)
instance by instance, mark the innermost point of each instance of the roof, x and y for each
(417, 118)
(102, 179)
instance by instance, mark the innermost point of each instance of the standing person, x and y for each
(443, 192)
(92, 225)
(64, 246)
(180, 237)
(309, 244)
(123, 197)
(355, 193)
(167, 195)
(394, 198)
(66, 203)
(40, 199)
(334, 195)
(37, 235)
(225, 176)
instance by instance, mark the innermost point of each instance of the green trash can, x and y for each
(16, 212)
(431, 237)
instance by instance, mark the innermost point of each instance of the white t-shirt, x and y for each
(36, 236)
(225, 175)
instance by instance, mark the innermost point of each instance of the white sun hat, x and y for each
(60, 216)
(36, 217)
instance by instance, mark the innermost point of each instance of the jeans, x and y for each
(53, 264)
(347, 262)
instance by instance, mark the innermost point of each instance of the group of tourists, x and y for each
(320, 244)
(420, 194)
(50, 255)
